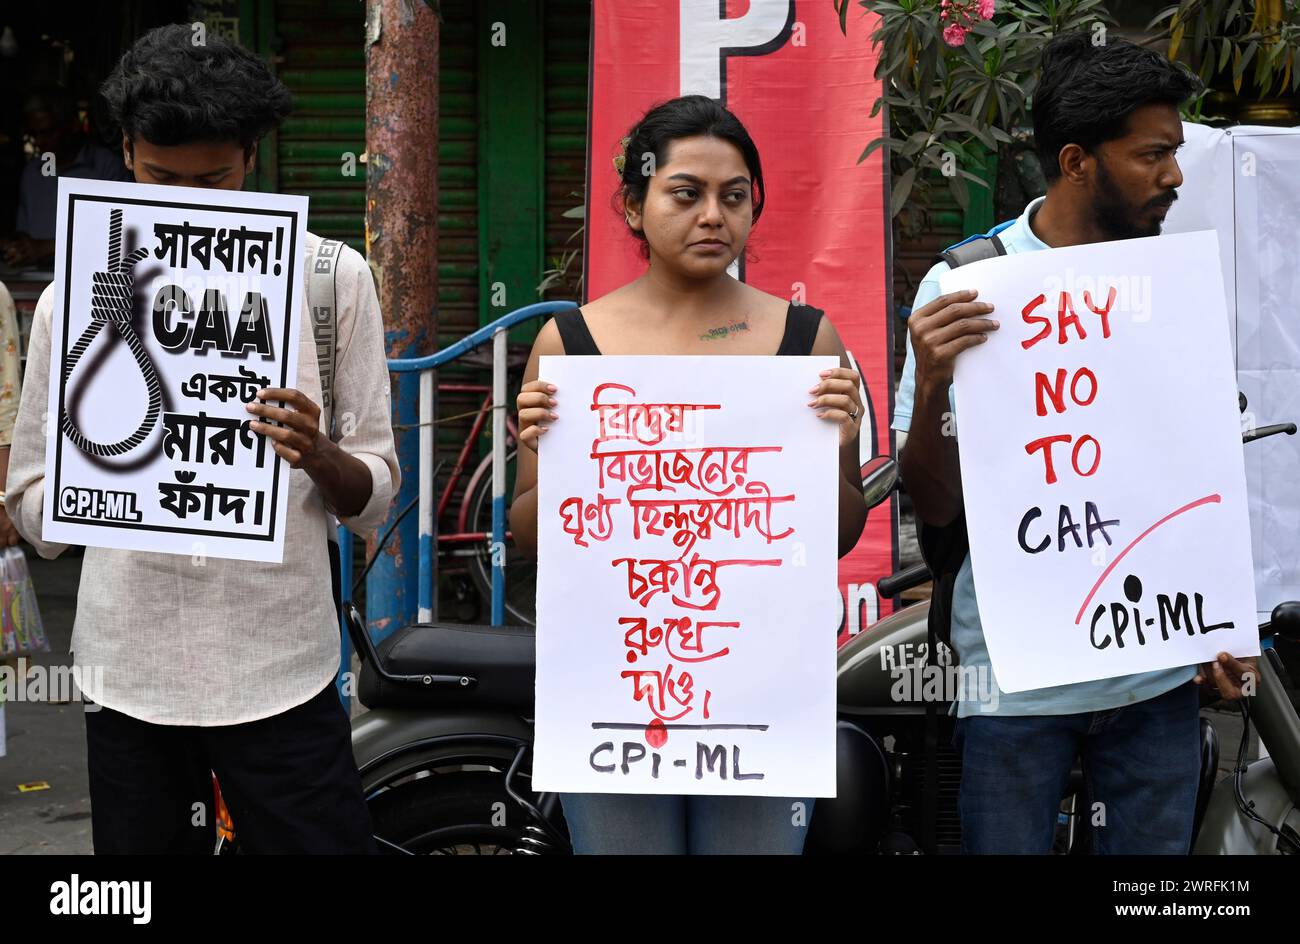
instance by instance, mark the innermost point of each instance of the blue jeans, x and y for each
(1141, 767)
(651, 824)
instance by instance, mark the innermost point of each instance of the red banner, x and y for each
(804, 90)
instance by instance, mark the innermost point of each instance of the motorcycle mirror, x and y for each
(1285, 620)
(879, 476)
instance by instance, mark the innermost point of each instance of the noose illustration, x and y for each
(111, 292)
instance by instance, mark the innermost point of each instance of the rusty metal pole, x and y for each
(402, 246)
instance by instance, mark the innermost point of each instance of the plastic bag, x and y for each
(21, 630)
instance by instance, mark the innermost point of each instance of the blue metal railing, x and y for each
(497, 332)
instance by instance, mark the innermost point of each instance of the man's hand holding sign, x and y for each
(344, 480)
(1101, 470)
(940, 331)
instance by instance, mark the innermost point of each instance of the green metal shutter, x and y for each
(568, 38)
(458, 239)
(457, 173)
(321, 58)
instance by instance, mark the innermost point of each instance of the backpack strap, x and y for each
(973, 250)
(325, 321)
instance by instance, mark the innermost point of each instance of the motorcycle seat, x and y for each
(499, 662)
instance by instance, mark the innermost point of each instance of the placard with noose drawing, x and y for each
(173, 307)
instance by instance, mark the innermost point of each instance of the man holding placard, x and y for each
(1088, 660)
(208, 614)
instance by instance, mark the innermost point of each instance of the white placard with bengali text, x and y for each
(686, 601)
(173, 306)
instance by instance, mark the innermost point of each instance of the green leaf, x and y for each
(1177, 29)
(931, 159)
(1162, 15)
(959, 192)
(1243, 60)
(901, 190)
(914, 144)
(1003, 110)
(958, 150)
(874, 146)
(963, 122)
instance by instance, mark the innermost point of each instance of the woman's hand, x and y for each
(535, 404)
(836, 399)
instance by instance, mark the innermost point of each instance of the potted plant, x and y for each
(1246, 51)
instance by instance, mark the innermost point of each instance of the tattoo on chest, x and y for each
(725, 331)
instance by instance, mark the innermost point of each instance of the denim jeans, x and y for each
(1141, 767)
(651, 824)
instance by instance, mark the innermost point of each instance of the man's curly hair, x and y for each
(169, 91)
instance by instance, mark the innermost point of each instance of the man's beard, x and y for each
(1113, 215)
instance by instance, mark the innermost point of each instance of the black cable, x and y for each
(1247, 807)
(392, 527)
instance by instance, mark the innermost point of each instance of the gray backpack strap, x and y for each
(982, 247)
(325, 321)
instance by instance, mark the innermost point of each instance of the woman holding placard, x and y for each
(691, 190)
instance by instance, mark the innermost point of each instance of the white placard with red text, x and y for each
(686, 586)
(1101, 462)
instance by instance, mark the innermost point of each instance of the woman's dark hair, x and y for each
(168, 90)
(686, 117)
(1086, 93)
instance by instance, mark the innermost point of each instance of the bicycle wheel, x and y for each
(521, 570)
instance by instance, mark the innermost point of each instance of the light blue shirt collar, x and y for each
(1021, 233)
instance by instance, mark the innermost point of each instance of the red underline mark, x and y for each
(1208, 499)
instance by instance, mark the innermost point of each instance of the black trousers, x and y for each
(289, 781)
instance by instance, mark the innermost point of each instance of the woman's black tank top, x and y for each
(801, 323)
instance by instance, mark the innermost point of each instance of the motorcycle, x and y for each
(444, 750)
